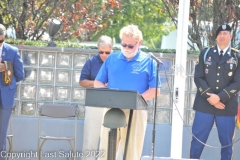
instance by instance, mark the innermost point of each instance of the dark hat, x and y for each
(2, 30)
(223, 27)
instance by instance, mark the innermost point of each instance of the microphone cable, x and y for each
(205, 144)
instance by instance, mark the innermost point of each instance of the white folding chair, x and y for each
(10, 138)
(57, 111)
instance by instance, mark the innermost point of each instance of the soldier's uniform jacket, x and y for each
(219, 77)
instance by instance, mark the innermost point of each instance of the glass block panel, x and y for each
(189, 117)
(191, 100)
(167, 65)
(62, 93)
(63, 76)
(150, 114)
(193, 63)
(64, 60)
(79, 60)
(45, 93)
(26, 59)
(17, 95)
(187, 83)
(151, 102)
(164, 100)
(30, 75)
(28, 108)
(15, 108)
(76, 77)
(81, 110)
(188, 67)
(192, 84)
(30, 58)
(28, 92)
(47, 59)
(46, 76)
(163, 116)
(186, 102)
(78, 94)
(166, 82)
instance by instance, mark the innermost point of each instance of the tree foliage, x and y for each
(149, 18)
(80, 18)
(204, 18)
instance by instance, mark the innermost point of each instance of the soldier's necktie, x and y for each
(221, 55)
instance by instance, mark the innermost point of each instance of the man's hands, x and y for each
(215, 101)
(219, 105)
(2, 66)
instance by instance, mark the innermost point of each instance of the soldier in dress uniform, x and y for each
(217, 77)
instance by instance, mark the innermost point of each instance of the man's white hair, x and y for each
(131, 31)
(105, 41)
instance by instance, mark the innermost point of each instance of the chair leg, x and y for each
(10, 142)
(40, 149)
(73, 151)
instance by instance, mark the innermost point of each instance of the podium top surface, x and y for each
(114, 98)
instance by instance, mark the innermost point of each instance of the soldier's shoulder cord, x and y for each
(206, 52)
(236, 55)
(236, 50)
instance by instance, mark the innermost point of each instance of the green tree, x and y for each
(150, 19)
(30, 18)
(204, 18)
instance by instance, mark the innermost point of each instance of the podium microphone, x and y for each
(150, 54)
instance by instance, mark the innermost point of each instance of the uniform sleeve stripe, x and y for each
(227, 93)
(204, 91)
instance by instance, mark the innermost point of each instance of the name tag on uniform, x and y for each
(208, 63)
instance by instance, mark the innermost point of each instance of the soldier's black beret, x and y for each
(223, 27)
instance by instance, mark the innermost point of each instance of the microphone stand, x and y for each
(154, 115)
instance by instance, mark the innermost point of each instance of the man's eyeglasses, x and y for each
(128, 45)
(101, 52)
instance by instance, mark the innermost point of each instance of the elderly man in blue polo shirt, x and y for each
(94, 115)
(131, 69)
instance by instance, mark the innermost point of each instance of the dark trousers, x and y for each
(201, 128)
(5, 114)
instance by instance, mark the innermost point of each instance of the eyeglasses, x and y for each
(128, 45)
(101, 52)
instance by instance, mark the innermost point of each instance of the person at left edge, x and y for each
(94, 115)
(7, 92)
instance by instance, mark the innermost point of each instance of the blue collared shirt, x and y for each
(138, 74)
(91, 68)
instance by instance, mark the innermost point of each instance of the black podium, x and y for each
(114, 98)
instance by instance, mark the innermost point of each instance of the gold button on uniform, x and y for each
(217, 80)
(216, 87)
(218, 74)
(219, 67)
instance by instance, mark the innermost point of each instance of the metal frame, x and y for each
(57, 111)
(10, 139)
